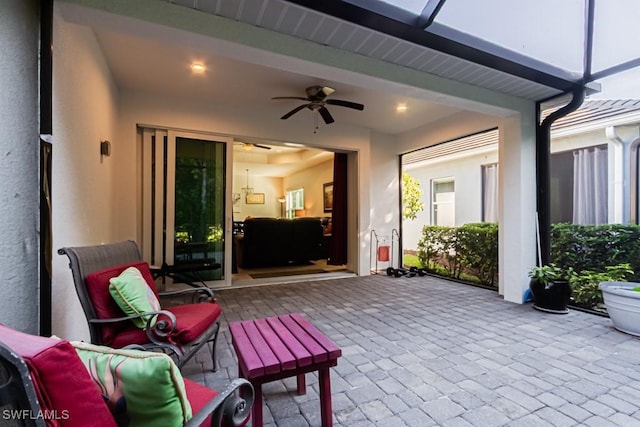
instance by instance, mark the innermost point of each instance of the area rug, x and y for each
(286, 273)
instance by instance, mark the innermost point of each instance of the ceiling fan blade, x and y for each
(347, 104)
(326, 115)
(290, 97)
(295, 110)
(264, 147)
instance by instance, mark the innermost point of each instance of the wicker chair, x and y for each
(179, 330)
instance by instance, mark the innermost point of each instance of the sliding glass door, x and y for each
(186, 180)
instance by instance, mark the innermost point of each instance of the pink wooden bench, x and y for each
(280, 347)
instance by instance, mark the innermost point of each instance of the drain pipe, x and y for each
(620, 160)
(543, 169)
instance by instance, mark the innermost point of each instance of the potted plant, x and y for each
(550, 288)
(622, 300)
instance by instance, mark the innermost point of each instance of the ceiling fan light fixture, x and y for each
(247, 147)
(198, 68)
(328, 90)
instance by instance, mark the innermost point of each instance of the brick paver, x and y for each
(423, 351)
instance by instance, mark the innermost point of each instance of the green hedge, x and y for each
(471, 249)
(595, 247)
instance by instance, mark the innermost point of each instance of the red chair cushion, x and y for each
(198, 396)
(62, 383)
(103, 303)
(193, 320)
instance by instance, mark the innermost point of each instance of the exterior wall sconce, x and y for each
(105, 148)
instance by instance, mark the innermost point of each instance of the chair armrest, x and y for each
(200, 294)
(230, 407)
(154, 317)
(159, 328)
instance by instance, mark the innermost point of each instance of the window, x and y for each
(443, 202)
(295, 202)
(579, 192)
(590, 198)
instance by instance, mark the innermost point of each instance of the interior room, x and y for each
(283, 181)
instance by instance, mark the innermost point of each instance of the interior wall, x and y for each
(271, 187)
(312, 181)
(85, 112)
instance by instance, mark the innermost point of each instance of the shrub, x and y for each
(430, 245)
(585, 284)
(469, 250)
(594, 247)
(478, 246)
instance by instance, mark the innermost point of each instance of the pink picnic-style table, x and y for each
(279, 347)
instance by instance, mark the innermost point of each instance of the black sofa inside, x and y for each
(268, 242)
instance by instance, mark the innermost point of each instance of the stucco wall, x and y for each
(384, 190)
(19, 168)
(85, 113)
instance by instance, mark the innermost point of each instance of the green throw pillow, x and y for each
(141, 388)
(133, 295)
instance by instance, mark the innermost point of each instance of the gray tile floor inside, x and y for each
(427, 352)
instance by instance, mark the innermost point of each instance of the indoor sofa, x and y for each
(270, 242)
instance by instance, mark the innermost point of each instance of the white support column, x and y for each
(619, 149)
(517, 204)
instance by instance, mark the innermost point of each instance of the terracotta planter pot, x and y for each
(623, 305)
(551, 298)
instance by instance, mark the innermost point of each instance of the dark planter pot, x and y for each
(551, 298)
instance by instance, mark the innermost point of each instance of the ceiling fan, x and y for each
(316, 100)
(248, 146)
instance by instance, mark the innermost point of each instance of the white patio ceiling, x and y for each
(529, 49)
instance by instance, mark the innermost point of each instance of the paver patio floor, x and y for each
(424, 352)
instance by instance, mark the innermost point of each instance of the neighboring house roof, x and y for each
(597, 112)
(477, 141)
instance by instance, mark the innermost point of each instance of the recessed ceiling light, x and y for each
(292, 144)
(401, 108)
(197, 67)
